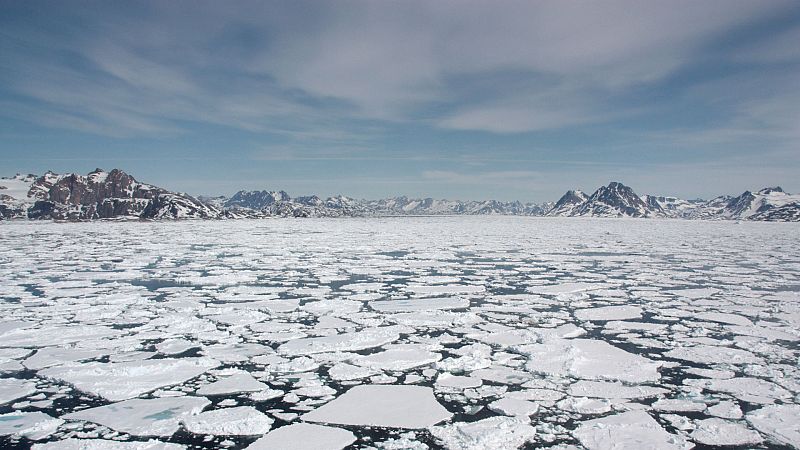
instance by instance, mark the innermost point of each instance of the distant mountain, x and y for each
(618, 200)
(115, 194)
(98, 195)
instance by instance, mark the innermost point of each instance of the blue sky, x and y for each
(471, 100)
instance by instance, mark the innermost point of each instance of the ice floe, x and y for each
(304, 436)
(144, 417)
(238, 421)
(632, 430)
(396, 406)
(124, 380)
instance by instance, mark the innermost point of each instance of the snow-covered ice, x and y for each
(435, 332)
(396, 406)
(305, 436)
(144, 417)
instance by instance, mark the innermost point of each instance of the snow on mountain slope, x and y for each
(14, 198)
(568, 203)
(614, 200)
(102, 195)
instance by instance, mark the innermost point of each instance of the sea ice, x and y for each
(778, 422)
(419, 304)
(724, 432)
(238, 421)
(493, 433)
(606, 313)
(606, 389)
(396, 406)
(234, 384)
(32, 425)
(632, 430)
(589, 359)
(100, 444)
(144, 417)
(304, 436)
(12, 389)
(360, 340)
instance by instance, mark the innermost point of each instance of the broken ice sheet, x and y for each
(590, 359)
(124, 380)
(238, 421)
(632, 430)
(493, 433)
(12, 389)
(396, 406)
(100, 444)
(31, 425)
(144, 417)
(304, 436)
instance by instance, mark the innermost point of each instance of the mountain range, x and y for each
(118, 195)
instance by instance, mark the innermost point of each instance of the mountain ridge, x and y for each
(118, 195)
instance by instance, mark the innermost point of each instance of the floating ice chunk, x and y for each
(52, 356)
(753, 390)
(397, 406)
(124, 380)
(712, 354)
(543, 395)
(494, 433)
(32, 425)
(503, 375)
(100, 444)
(606, 313)
(304, 436)
(446, 289)
(55, 335)
(678, 405)
(635, 326)
(12, 389)
(732, 319)
(345, 372)
(711, 373)
(585, 405)
(771, 334)
(435, 319)
(234, 384)
(419, 304)
(723, 432)
(694, 293)
(605, 389)
(632, 430)
(564, 288)
(589, 359)
(144, 417)
(726, 409)
(778, 422)
(364, 339)
(514, 407)
(401, 357)
(238, 421)
(447, 381)
(175, 346)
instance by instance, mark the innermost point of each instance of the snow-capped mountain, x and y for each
(618, 200)
(115, 194)
(98, 195)
(614, 200)
(568, 203)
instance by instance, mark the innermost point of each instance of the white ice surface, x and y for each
(144, 417)
(32, 425)
(632, 430)
(778, 422)
(396, 406)
(238, 421)
(304, 436)
(493, 433)
(124, 380)
(101, 444)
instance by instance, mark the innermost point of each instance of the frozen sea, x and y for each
(397, 333)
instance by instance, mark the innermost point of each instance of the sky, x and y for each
(508, 100)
